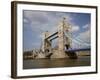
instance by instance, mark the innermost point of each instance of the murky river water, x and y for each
(53, 63)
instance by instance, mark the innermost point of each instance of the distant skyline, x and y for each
(37, 22)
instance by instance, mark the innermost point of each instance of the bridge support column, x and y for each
(46, 44)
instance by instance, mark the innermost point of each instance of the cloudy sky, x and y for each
(37, 22)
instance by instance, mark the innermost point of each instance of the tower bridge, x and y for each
(64, 42)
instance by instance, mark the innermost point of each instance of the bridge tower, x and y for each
(62, 39)
(46, 43)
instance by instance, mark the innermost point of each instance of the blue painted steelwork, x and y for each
(84, 49)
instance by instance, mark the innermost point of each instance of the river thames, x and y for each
(54, 63)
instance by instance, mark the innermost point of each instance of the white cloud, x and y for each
(75, 28)
(83, 39)
(86, 26)
(85, 36)
(43, 21)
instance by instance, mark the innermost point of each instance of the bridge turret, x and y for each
(46, 43)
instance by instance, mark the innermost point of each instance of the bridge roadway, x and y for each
(82, 49)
